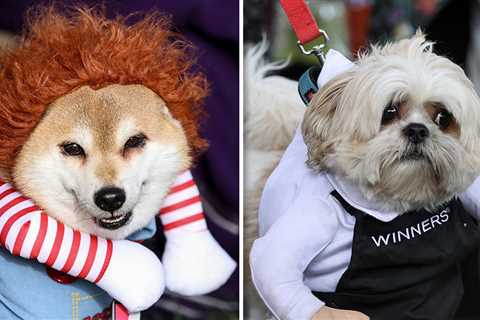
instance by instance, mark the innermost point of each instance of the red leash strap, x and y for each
(305, 27)
(301, 19)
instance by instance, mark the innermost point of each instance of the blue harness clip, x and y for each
(307, 84)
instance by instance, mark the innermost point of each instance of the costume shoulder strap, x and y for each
(347, 206)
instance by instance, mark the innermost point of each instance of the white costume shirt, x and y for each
(306, 235)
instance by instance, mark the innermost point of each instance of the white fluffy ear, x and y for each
(317, 129)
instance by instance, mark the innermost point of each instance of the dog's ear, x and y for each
(317, 126)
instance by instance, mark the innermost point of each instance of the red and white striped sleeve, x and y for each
(189, 243)
(182, 208)
(26, 231)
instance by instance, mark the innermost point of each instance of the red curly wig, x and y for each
(59, 53)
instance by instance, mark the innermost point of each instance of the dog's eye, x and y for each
(389, 113)
(72, 149)
(443, 119)
(136, 141)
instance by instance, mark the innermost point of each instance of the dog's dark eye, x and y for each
(443, 119)
(136, 141)
(72, 149)
(389, 113)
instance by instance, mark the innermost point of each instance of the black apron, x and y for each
(409, 268)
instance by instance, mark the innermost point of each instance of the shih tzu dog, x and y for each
(373, 205)
(403, 125)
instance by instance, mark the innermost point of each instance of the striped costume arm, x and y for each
(189, 243)
(182, 209)
(26, 231)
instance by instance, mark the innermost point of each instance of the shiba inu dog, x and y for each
(103, 160)
(98, 141)
(99, 126)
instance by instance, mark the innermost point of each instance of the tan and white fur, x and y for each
(103, 123)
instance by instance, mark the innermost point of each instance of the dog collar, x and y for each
(316, 76)
(307, 84)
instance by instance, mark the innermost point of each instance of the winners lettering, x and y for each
(412, 231)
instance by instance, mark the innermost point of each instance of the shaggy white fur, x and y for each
(344, 133)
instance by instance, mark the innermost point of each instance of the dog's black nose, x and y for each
(416, 132)
(109, 198)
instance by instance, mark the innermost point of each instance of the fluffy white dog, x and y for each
(403, 125)
(376, 184)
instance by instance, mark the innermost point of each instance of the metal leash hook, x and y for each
(307, 84)
(316, 50)
(306, 29)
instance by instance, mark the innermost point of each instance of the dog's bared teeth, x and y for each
(113, 219)
(113, 223)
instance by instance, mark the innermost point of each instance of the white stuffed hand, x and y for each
(134, 276)
(194, 262)
(126, 270)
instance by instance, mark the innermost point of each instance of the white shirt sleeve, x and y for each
(471, 199)
(279, 258)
